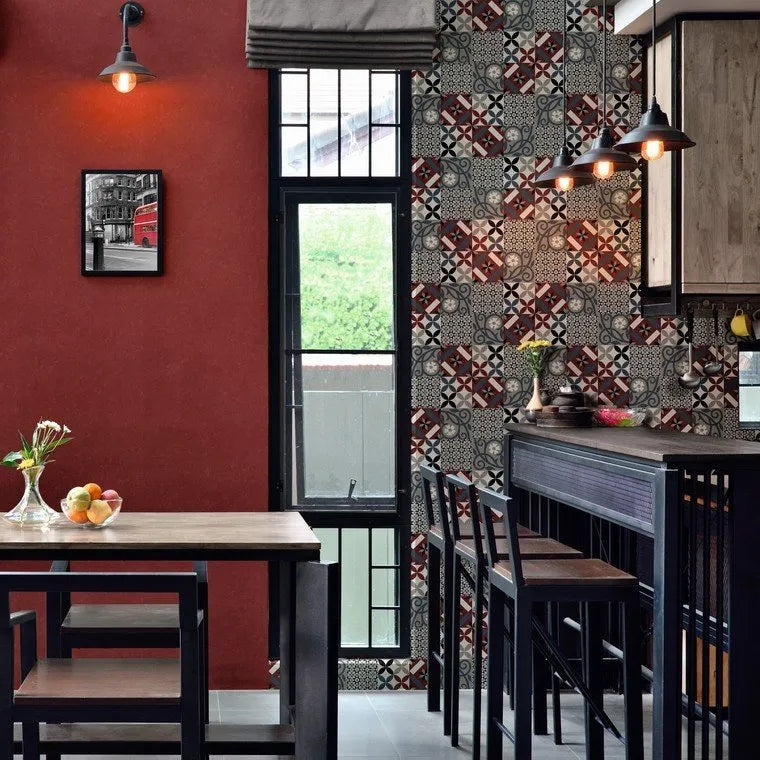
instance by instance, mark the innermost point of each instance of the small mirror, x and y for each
(749, 387)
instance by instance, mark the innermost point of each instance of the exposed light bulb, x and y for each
(651, 150)
(124, 81)
(564, 183)
(604, 169)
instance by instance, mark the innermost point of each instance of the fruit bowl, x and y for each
(612, 416)
(96, 515)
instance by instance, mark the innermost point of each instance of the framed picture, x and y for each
(122, 222)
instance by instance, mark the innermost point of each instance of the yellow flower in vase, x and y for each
(24, 463)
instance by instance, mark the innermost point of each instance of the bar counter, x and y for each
(693, 500)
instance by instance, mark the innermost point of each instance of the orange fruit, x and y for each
(77, 516)
(94, 490)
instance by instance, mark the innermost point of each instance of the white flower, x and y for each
(66, 430)
(50, 424)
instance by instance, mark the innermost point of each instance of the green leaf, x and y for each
(11, 459)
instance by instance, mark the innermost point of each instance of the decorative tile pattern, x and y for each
(496, 261)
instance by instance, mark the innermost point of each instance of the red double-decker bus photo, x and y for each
(145, 227)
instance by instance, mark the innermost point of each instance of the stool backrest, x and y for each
(491, 504)
(433, 491)
(459, 487)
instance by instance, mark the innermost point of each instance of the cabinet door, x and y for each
(659, 184)
(721, 175)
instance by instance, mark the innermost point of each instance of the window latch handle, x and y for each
(351, 487)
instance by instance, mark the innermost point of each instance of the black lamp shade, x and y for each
(654, 125)
(562, 166)
(127, 61)
(603, 149)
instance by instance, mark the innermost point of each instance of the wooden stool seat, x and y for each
(465, 530)
(95, 682)
(530, 548)
(121, 618)
(566, 572)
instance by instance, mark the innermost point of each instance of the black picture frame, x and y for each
(128, 259)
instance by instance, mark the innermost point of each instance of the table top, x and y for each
(169, 535)
(646, 443)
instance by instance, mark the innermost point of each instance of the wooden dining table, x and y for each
(308, 607)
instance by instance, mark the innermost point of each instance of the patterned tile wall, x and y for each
(496, 260)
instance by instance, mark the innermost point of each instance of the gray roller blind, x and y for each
(394, 34)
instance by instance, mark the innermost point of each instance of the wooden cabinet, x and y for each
(702, 207)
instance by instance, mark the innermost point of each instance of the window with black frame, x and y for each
(339, 284)
(749, 386)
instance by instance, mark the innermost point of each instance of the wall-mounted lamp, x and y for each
(125, 72)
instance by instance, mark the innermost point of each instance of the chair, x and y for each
(529, 582)
(439, 548)
(532, 546)
(63, 690)
(118, 626)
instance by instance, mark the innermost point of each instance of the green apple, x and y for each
(78, 499)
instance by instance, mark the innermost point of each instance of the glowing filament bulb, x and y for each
(651, 150)
(564, 183)
(604, 169)
(124, 81)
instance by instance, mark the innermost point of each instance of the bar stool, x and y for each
(473, 549)
(527, 582)
(439, 548)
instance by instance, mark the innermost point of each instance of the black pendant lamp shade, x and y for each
(126, 71)
(563, 171)
(561, 175)
(603, 150)
(603, 159)
(655, 127)
(654, 135)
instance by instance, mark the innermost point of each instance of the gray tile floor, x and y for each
(394, 725)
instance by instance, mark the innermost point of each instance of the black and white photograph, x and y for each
(122, 222)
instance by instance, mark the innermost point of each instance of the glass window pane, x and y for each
(384, 588)
(354, 588)
(328, 537)
(354, 122)
(384, 98)
(323, 117)
(294, 159)
(384, 152)
(346, 271)
(348, 426)
(383, 546)
(293, 98)
(384, 628)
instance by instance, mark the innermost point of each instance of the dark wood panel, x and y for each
(648, 444)
(121, 618)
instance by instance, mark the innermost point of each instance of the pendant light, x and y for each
(126, 71)
(654, 135)
(603, 159)
(561, 175)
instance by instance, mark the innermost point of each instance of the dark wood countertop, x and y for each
(645, 443)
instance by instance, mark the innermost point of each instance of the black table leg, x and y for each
(287, 640)
(540, 682)
(666, 644)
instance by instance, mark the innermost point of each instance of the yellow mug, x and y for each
(741, 324)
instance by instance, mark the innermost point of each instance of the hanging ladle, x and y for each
(690, 380)
(714, 367)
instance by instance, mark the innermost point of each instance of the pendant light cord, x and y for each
(654, 50)
(564, 80)
(604, 63)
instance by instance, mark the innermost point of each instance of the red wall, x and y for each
(163, 380)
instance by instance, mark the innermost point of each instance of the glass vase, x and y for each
(32, 511)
